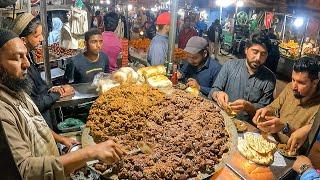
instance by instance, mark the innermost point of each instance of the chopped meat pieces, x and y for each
(187, 134)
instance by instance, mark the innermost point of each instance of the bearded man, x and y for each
(31, 141)
(246, 85)
(294, 111)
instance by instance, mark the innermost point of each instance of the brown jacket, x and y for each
(292, 111)
(32, 144)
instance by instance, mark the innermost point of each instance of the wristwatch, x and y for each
(303, 168)
(286, 128)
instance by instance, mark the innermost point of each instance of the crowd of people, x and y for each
(247, 86)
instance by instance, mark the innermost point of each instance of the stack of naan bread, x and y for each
(256, 149)
(155, 76)
(152, 75)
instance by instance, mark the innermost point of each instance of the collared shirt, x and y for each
(292, 111)
(112, 47)
(158, 50)
(235, 80)
(205, 75)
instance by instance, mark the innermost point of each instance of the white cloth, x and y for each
(79, 21)
(67, 41)
(120, 29)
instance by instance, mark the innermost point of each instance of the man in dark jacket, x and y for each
(29, 30)
(215, 27)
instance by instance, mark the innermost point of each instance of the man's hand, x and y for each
(193, 83)
(271, 125)
(222, 98)
(108, 152)
(301, 160)
(57, 89)
(68, 90)
(68, 142)
(260, 114)
(298, 137)
(241, 105)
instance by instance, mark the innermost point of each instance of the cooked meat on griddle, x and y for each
(187, 134)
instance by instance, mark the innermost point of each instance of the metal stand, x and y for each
(45, 50)
(172, 34)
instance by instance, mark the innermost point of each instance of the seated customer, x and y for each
(86, 65)
(246, 83)
(297, 105)
(200, 70)
(31, 141)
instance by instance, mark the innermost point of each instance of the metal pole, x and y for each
(1, 18)
(29, 6)
(172, 33)
(127, 20)
(220, 14)
(284, 26)
(303, 37)
(45, 50)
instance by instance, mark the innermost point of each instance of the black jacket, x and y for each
(39, 93)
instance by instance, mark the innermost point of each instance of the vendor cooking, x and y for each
(29, 137)
(200, 70)
(246, 83)
(297, 105)
(157, 53)
(83, 67)
(29, 30)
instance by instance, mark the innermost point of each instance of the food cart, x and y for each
(297, 41)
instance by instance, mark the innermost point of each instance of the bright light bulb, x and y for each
(298, 22)
(130, 7)
(240, 3)
(224, 3)
(181, 12)
(108, 2)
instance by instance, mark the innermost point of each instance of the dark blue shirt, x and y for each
(205, 75)
(82, 70)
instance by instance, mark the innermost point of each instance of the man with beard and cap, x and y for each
(29, 137)
(293, 112)
(29, 30)
(157, 53)
(247, 84)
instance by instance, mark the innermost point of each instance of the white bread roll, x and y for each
(192, 91)
(159, 81)
(120, 77)
(152, 71)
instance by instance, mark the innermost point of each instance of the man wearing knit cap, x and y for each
(30, 139)
(199, 71)
(159, 45)
(29, 30)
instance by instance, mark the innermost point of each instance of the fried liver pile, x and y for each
(187, 134)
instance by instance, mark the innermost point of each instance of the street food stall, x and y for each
(299, 38)
(168, 130)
